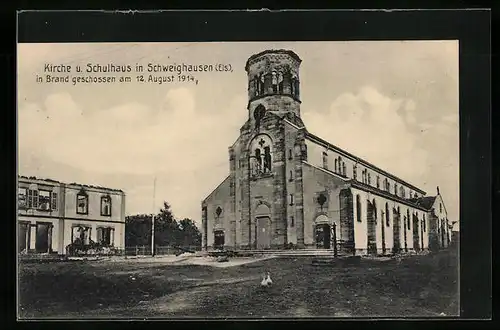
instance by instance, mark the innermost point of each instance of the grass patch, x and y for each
(417, 286)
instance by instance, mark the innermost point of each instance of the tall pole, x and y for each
(153, 221)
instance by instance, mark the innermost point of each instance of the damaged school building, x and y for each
(52, 215)
(289, 188)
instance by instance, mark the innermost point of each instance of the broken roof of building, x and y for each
(425, 202)
(69, 184)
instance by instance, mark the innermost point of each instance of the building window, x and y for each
(32, 198)
(336, 165)
(105, 236)
(291, 199)
(82, 203)
(261, 159)
(440, 208)
(290, 154)
(81, 235)
(22, 198)
(378, 182)
(423, 223)
(291, 176)
(343, 169)
(369, 179)
(408, 219)
(402, 191)
(274, 82)
(292, 221)
(53, 205)
(358, 208)
(395, 189)
(355, 172)
(325, 160)
(387, 219)
(106, 206)
(321, 200)
(44, 200)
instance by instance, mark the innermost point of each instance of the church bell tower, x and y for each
(273, 84)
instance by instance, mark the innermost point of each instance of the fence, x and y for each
(159, 250)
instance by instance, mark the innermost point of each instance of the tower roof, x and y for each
(273, 51)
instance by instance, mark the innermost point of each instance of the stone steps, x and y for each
(293, 253)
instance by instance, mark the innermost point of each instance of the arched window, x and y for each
(358, 208)
(261, 158)
(280, 82)
(293, 85)
(387, 220)
(262, 81)
(395, 189)
(256, 85)
(274, 81)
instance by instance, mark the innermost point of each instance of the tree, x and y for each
(191, 236)
(138, 230)
(166, 227)
(168, 231)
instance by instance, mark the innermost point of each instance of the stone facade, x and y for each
(287, 187)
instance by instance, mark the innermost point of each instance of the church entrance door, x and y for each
(323, 236)
(263, 233)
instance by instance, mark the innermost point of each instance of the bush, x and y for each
(79, 248)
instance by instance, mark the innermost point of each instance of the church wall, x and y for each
(318, 181)
(279, 103)
(290, 176)
(442, 222)
(360, 222)
(361, 227)
(219, 198)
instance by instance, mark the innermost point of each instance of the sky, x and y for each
(394, 104)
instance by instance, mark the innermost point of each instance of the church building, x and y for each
(288, 188)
